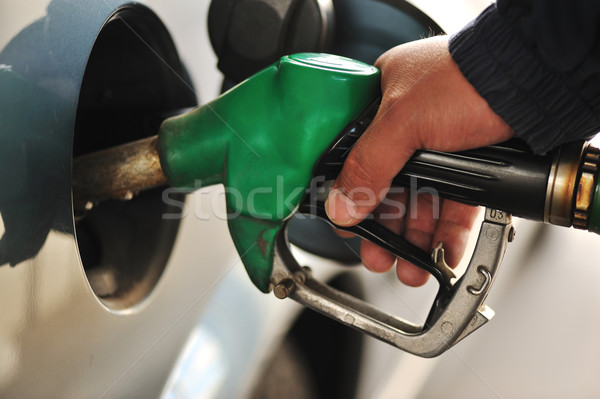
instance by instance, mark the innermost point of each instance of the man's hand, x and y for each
(427, 103)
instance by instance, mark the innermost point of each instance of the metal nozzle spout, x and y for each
(116, 173)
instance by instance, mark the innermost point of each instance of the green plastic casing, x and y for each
(261, 139)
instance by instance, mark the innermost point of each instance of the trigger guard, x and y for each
(454, 314)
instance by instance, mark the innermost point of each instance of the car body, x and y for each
(125, 303)
(102, 304)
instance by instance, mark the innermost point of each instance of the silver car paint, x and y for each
(57, 339)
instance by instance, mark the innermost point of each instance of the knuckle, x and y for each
(382, 60)
(356, 172)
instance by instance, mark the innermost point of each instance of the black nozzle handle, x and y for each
(506, 176)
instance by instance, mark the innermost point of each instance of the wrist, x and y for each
(526, 93)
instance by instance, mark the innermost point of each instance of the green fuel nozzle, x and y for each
(265, 138)
(261, 140)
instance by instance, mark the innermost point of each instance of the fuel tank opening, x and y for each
(133, 80)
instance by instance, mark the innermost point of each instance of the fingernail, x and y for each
(340, 209)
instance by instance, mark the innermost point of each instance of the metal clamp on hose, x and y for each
(586, 186)
(562, 182)
(571, 185)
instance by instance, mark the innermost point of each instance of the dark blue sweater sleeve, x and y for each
(537, 64)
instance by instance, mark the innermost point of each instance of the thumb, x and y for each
(369, 169)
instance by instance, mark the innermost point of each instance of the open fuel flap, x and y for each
(133, 80)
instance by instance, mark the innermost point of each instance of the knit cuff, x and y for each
(531, 98)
